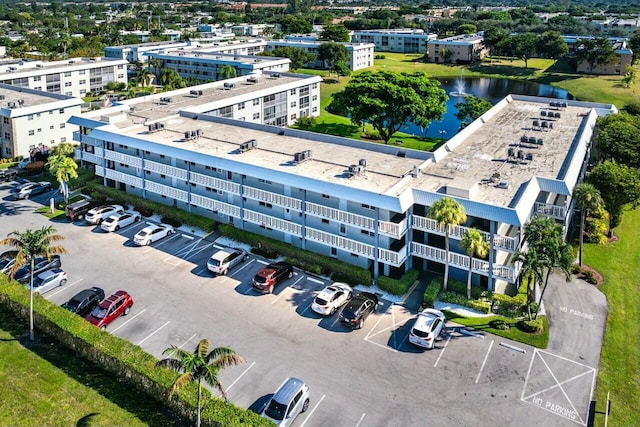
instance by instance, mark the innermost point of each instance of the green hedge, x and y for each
(398, 286)
(122, 358)
(431, 293)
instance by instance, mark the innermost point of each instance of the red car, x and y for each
(267, 278)
(118, 304)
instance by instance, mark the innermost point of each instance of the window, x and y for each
(241, 106)
(367, 232)
(37, 78)
(325, 221)
(293, 104)
(63, 125)
(314, 97)
(293, 117)
(30, 117)
(83, 91)
(293, 91)
(83, 82)
(334, 251)
(39, 130)
(256, 101)
(256, 116)
(67, 74)
(367, 206)
(61, 111)
(264, 181)
(326, 196)
(68, 93)
(81, 72)
(51, 127)
(343, 229)
(67, 84)
(120, 67)
(265, 204)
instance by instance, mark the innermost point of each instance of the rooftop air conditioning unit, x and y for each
(252, 80)
(229, 86)
(12, 104)
(276, 75)
(1, 97)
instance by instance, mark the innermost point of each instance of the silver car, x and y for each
(291, 399)
(97, 215)
(24, 191)
(48, 280)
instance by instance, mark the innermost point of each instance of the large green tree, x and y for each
(63, 167)
(388, 100)
(619, 186)
(552, 45)
(331, 53)
(472, 108)
(201, 365)
(523, 46)
(226, 72)
(335, 33)
(298, 56)
(618, 138)
(634, 45)
(473, 243)
(447, 213)
(31, 244)
(595, 52)
(588, 199)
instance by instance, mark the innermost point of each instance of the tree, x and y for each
(618, 138)
(170, 79)
(467, 29)
(587, 199)
(330, 53)
(619, 186)
(523, 46)
(226, 72)
(342, 69)
(552, 45)
(448, 213)
(64, 168)
(595, 52)
(634, 45)
(31, 244)
(472, 108)
(335, 33)
(529, 272)
(494, 39)
(298, 56)
(630, 75)
(473, 243)
(201, 365)
(388, 100)
(446, 55)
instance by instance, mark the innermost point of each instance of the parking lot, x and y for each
(367, 377)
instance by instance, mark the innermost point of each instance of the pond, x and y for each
(491, 89)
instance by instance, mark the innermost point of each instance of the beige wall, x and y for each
(614, 68)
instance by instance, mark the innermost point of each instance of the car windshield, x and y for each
(348, 314)
(37, 282)
(99, 312)
(260, 279)
(320, 301)
(275, 410)
(72, 304)
(419, 333)
(214, 262)
(143, 233)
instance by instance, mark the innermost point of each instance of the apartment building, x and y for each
(399, 40)
(73, 77)
(33, 118)
(628, 27)
(624, 56)
(137, 52)
(360, 54)
(461, 49)
(363, 203)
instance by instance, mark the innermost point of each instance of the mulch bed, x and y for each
(599, 278)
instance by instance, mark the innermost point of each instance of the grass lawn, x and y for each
(513, 333)
(619, 374)
(47, 385)
(8, 165)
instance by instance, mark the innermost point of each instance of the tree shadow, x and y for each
(339, 129)
(86, 421)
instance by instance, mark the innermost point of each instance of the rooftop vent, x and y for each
(529, 156)
(276, 75)
(302, 156)
(543, 113)
(545, 124)
(1, 97)
(363, 163)
(540, 141)
(532, 140)
(520, 155)
(524, 138)
(166, 100)
(557, 115)
(536, 123)
(196, 92)
(511, 152)
(252, 80)
(401, 153)
(249, 145)
(154, 127)
(12, 104)
(228, 86)
(192, 134)
(503, 184)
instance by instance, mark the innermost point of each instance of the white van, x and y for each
(224, 259)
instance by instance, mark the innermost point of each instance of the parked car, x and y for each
(225, 259)
(24, 162)
(267, 278)
(41, 264)
(119, 220)
(118, 304)
(358, 309)
(77, 210)
(25, 191)
(48, 280)
(8, 175)
(291, 399)
(152, 233)
(84, 301)
(7, 259)
(331, 298)
(428, 326)
(100, 213)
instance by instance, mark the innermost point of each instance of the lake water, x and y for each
(493, 90)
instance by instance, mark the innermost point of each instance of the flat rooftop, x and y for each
(10, 70)
(23, 98)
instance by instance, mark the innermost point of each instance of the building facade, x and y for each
(33, 118)
(360, 54)
(136, 52)
(462, 49)
(400, 40)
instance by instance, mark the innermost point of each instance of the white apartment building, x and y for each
(628, 27)
(461, 49)
(251, 30)
(136, 52)
(144, 35)
(360, 202)
(406, 40)
(360, 54)
(73, 77)
(33, 118)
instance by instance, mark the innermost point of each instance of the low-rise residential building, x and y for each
(34, 118)
(72, 77)
(624, 56)
(252, 30)
(363, 203)
(360, 54)
(461, 49)
(136, 52)
(144, 35)
(398, 40)
(618, 26)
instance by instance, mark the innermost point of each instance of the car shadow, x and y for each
(332, 324)
(260, 403)
(399, 338)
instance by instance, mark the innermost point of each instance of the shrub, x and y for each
(172, 221)
(499, 324)
(453, 298)
(398, 286)
(34, 168)
(461, 288)
(589, 277)
(305, 122)
(531, 326)
(481, 306)
(431, 293)
(378, 56)
(576, 269)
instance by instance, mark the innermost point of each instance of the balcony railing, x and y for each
(167, 191)
(89, 157)
(393, 258)
(392, 229)
(340, 242)
(122, 177)
(126, 159)
(553, 211)
(215, 205)
(339, 215)
(272, 222)
(273, 198)
(218, 184)
(167, 170)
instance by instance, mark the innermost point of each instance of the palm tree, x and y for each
(32, 244)
(447, 212)
(200, 365)
(529, 272)
(63, 167)
(226, 72)
(587, 199)
(473, 243)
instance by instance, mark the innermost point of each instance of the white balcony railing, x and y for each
(553, 211)
(341, 216)
(99, 171)
(340, 242)
(122, 177)
(272, 222)
(89, 157)
(218, 184)
(273, 198)
(126, 159)
(167, 191)
(393, 258)
(392, 229)
(215, 205)
(167, 170)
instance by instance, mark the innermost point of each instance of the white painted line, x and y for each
(218, 247)
(186, 236)
(248, 290)
(154, 332)
(471, 334)
(513, 347)
(311, 279)
(486, 356)
(284, 291)
(200, 271)
(361, 419)
(187, 341)
(243, 267)
(137, 314)
(376, 325)
(262, 262)
(63, 287)
(305, 310)
(241, 375)
(382, 346)
(162, 242)
(335, 321)
(198, 251)
(442, 352)
(313, 410)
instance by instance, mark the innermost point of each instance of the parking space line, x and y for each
(219, 247)
(200, 271)
(486, 356)
(248, 289)
(243, 267)
(442, 352)
(63, 287)
(313, 410)
(311, 279)
(186, 236)
(283, 291)
(262, 262)
(116, 233)
(137, 314)
(198, 251)
(361, 419)
(379, 320)
(187, 341)
(386, 347)
(241, 375)
(165, 240)
(154, 332)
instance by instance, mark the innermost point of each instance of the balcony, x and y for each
(215, 205)
(167, 170)
(338, 215)
(121, 177)
(549, 210)
(123, 158)
(218, 184)
(89, 157)
(273, 198)
(272, 222)
(393, 229)
(166, 191)
(392, 258)
(340, 242)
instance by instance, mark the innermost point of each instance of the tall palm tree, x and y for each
(64, 168)
(31, 244)
(447, 212)
(529, 272)
(226, 72)
(201, 365)
(473, 243)
(587, 199)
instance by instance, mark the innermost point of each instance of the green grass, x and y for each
(8, 165)
(47, 385)
(619, 373)
(57, 214)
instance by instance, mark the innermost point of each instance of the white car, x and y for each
(26, 190)
(119, 220)
(99, 214)
(152, 233)
(331, 298)
(48, 280)
(428, 326)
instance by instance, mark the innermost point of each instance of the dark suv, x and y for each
(76, 210)
(266, 279)
(358, 309)
(84, 301)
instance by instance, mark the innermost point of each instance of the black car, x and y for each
(76, 211)
(23, 275)
(358, 308)
(84, 301)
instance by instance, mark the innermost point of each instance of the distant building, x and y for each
(400, 40)
(144, 36)
(461, 49)
(34, 118)
(628, 27)
(251, 30)
(619, 44)
(360, 54)
(136, 52)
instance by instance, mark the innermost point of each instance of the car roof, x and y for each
(288, 390)
(85, 293)
(426, 318)
(330, 290)
(49, 273)
(220, 255)
(112, 298)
